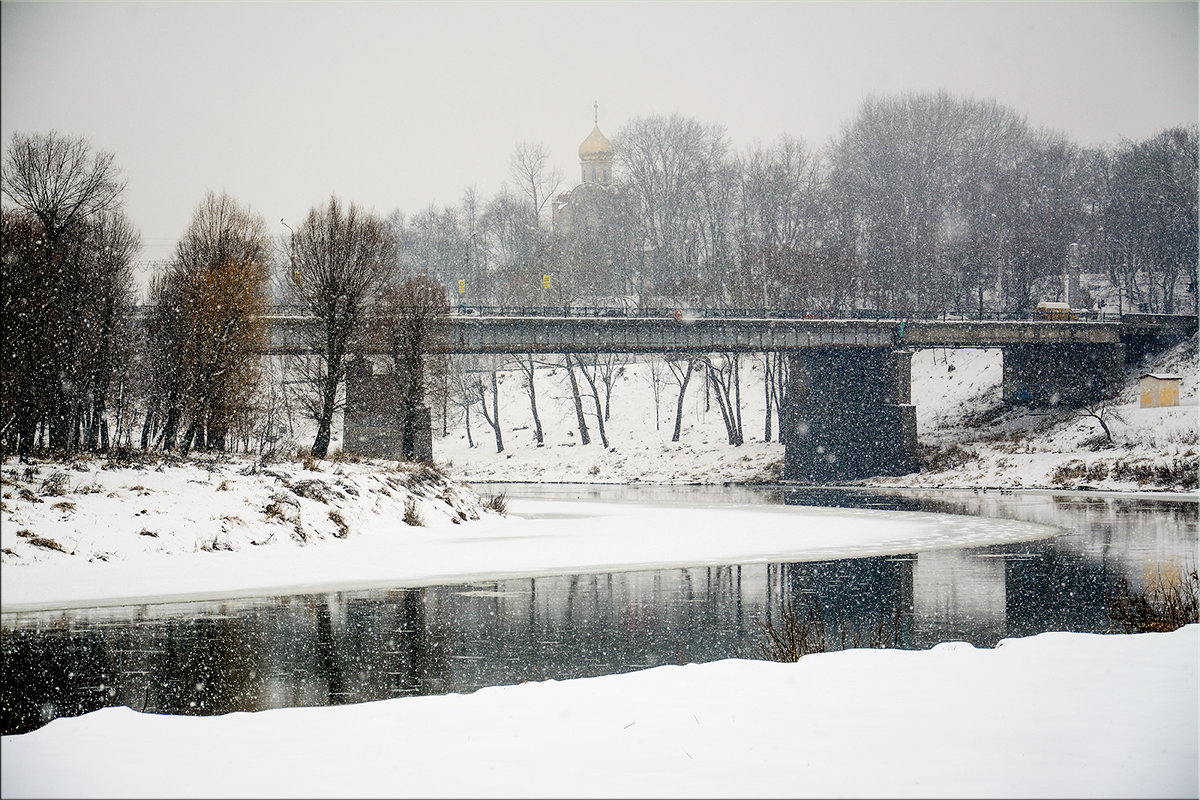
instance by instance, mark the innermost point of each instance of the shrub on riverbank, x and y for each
(1167, 602)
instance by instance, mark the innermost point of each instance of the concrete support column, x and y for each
(1070, 374)
(372, 417)
(849, 414)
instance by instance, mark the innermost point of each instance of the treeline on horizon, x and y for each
(923, 203)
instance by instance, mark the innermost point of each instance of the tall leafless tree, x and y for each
(406, 325)
(207, 328)
(60, 180)
(66, 289)
(538, 182)
(338, 257)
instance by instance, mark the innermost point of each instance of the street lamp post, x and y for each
(292, 252)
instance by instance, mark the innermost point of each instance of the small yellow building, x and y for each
(1159, 390)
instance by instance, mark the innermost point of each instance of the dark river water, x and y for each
(349, 647)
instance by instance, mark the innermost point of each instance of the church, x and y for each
(581, 207)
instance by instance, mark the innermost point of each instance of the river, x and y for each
(344, 647)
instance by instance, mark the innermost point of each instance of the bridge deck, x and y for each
(658, 335)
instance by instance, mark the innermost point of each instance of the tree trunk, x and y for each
(171, 427)
(780, 392)
(737, 398)
(687, 376)
(493, 419)
(496, 413)
(596, 399)
(320, 446)
(186, 445)
(532, 391)
(721, 404)
(579, 418)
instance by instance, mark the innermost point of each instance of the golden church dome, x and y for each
(596, 147)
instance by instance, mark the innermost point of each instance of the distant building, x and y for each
(1159, 390)
(583, 205)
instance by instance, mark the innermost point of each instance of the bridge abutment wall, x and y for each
(848, 414)
(1069, 374)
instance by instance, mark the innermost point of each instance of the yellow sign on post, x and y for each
(545, 281)
(462, 287)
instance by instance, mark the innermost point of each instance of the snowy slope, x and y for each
(969, 438)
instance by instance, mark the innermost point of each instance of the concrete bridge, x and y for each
(849, 410)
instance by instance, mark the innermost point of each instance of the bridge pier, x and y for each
(848, 414)
(372, 418)
(1070, 374)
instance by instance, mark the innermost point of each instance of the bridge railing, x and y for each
(758, 313)
(664, 312)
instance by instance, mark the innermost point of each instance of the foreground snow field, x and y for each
(1054, 715)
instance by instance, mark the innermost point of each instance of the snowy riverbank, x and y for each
(97, 533)
(1054, 715)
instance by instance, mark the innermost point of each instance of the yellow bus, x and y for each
(1054, 312)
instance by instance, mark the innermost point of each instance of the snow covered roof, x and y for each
(1160, 376)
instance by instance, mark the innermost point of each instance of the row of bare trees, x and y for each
(190, 363)
(922, 203)
(68, 250)
(472, 384)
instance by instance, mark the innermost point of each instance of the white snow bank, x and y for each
(1054, 715)
(262, 553)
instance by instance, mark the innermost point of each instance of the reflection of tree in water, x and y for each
(212, 664)
(854, 597)
(327, 655)
(426, 645)
(38, 678)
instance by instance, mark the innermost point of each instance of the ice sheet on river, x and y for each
(538, 537)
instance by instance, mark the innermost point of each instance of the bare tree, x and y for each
(528, 167)
(580, 419)
(655, 379)
(483, 390)
(339, 257)
(775, 380)
(528, 369)
(60, 180)
(66, 290)
(208, 328)
(1106, 413)
(407, 325)
(115, 242)
(724, 376)
(589, 367)
(460, 380)
(681, 368)
(674, 166)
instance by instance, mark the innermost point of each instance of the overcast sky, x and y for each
(399, 105)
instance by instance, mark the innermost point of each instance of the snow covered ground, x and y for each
(971, 441)
(1054, 715)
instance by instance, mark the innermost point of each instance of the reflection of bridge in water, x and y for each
(848, 408)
